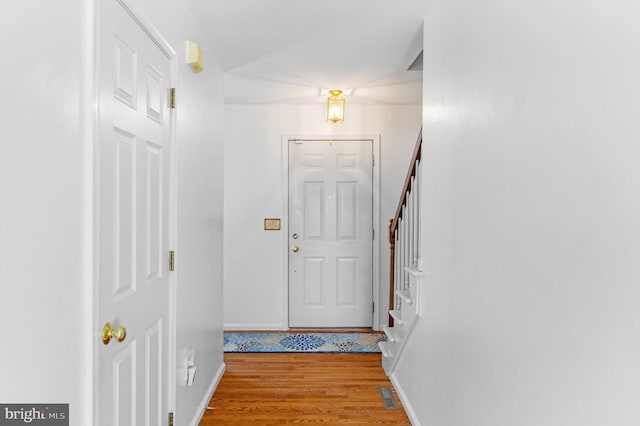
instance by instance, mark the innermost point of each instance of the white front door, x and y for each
(330, 233)
(132, 218)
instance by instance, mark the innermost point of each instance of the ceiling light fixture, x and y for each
(335, 107)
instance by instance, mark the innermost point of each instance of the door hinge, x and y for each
(172, 260)
(373, 161)
(172, 97)
(170, 419)
(373, 234)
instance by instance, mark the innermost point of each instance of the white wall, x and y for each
(254, 275)
(200, 146)
(46, 348)
(199, 250)
(45, 234)
(532, 230)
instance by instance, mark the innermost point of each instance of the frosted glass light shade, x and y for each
(335, 107)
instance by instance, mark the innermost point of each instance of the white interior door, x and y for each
(330, 233)
(132, 217)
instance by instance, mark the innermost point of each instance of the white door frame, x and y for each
(90, 83)
(375, 140)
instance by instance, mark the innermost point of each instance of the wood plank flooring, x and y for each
(311, 388)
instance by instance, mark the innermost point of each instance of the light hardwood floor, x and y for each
(314, 388)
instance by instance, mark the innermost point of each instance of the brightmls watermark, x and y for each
(34, 414)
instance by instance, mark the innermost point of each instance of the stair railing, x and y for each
(404, 231)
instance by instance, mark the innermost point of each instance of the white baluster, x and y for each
(398, 266)
(418, 212)
(405, 256)
(410, 230)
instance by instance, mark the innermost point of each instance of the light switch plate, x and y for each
(271, 224)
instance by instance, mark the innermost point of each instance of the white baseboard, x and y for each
(408, 408)
(208, 396)
(255, 327)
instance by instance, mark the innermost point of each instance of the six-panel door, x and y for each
(132, 217)
(330, 233)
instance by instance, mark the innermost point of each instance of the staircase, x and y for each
(404, 320)
(406, 277)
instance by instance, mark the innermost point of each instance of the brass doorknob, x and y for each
(109, 333)
(295, 249)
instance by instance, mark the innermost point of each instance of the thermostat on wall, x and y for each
(195, 57)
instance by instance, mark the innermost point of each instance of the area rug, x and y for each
(278, 342)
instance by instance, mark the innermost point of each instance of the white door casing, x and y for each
(330, 233)
(133, 154)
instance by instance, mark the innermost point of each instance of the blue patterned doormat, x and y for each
(278, 342)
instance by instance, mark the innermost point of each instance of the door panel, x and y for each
(154, 218)
(313, 209)
(347, 272)
(153, 374)
(124, 385)
(347, 210)
(132, 212)
(330, 210)
(313, 281)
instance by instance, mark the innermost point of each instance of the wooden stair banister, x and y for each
(393, 223)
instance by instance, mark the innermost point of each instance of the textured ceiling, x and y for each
(286, 51)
